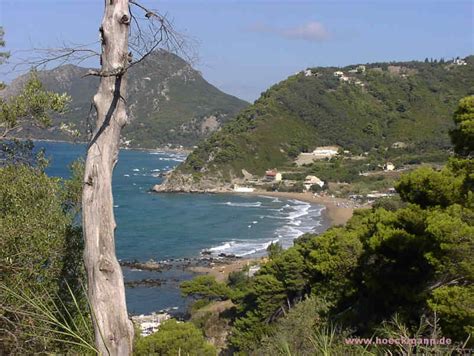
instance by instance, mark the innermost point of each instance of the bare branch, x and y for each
(149, 31)
(154, 30)
(38, 58)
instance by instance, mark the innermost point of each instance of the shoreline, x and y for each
(338, 210)
(78, 142)
(220, 270)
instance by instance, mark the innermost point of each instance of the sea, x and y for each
(167, 226)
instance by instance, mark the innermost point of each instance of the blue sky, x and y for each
(244, 47)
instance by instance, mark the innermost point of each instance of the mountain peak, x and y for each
(168, 101)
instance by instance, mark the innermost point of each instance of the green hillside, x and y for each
(168, 100)
(365, 113)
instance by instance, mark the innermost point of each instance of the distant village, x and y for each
(351, 75)
(312, 183)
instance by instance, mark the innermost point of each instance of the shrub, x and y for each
(174, 338)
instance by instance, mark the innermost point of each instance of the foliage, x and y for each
(463, 135)
(174, 338)
(41, 254)
(390, 203)
(410, 260)
(33, 105)
(274, 249)
(3, 55)
(455, 307)
(427, 329)
(300, 113)
(426, 187)
(69, 325)
(295, 330)
(205, 286)
(14, 152)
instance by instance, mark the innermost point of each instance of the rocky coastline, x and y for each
(205, 260)
(175, 182)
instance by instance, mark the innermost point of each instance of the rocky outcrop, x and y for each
(177, 182)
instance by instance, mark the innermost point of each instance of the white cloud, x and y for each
(312, 31)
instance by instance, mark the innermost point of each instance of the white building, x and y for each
(325, 151)
(273, 175)
(309, 181)
(338, 73)
(389, 166)
(460, 62)
(239, 189)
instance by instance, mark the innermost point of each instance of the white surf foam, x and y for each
(242, 248)
(244, 205)
(295, 219)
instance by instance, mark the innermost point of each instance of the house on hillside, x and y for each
(309, 181)
(272, 175)
(338, 74)
(325, 152)
(399, 144)
(460, 62)
(389, 166)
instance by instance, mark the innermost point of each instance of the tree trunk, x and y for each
(106, 291)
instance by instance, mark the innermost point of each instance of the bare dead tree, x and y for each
(128, 34)
(122, 35)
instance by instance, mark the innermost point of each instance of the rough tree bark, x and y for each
(113, 329)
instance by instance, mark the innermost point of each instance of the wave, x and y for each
(294, 218)
(242, 248)
(244, 205)
(167, 156)
(171, 159)
(274, 200)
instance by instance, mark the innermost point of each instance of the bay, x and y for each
(161, 227)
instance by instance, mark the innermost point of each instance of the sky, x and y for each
(243, 47)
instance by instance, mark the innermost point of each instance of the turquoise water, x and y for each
(172, 226)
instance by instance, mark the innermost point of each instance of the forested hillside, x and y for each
(168, 102)
(363, 109)
(401, 270)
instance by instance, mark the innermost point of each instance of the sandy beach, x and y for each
(338, 210)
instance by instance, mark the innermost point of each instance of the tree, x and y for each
(274, 249)
(175, 338)
(427, 187)
(124, 36)
(205, 287)
(113, 329)
(106, 290)
(3, 55)
(463, 135)
(40, 259)
(32, 105)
